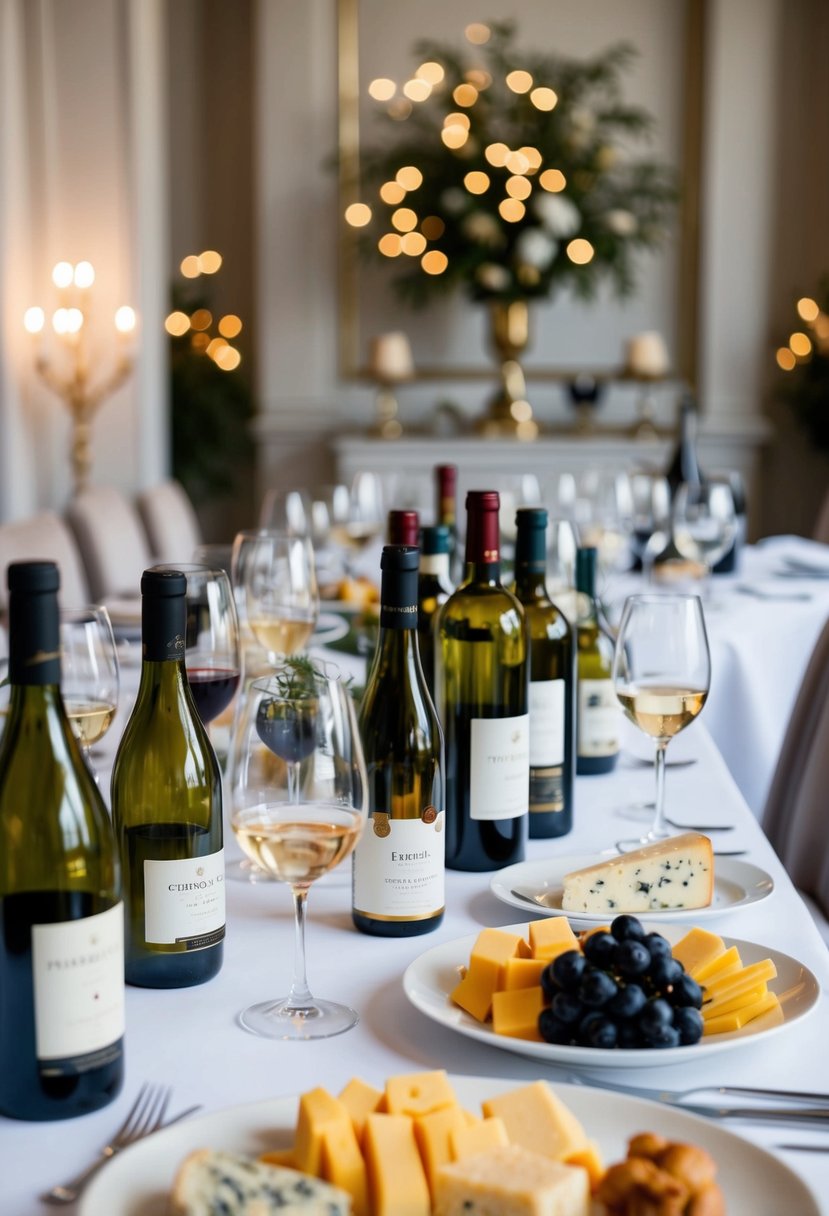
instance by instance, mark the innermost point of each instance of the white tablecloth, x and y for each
(759, 651)
(189, 1038)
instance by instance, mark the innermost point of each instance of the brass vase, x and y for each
(509, 412)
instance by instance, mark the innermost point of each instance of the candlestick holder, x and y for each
(390, 363)
(647, 364)
(68, 372)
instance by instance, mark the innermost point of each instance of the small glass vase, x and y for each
(509, 413)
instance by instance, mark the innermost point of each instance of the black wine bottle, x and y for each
(403, 527)
(599, 713)
(446, 513)
(61, 916)
(433, 590)
(482, 678)
(398, 876)
(552, 682)
(167, 809)
(684, 465)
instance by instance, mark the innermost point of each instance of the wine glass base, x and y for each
(640, 842)
(284, 1020)
(642, 812)
(246, 871)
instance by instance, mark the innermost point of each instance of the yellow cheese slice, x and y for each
(515, 1013)
(537, 1120)
(467, 1141)
(697, 948)
(397, 1180)
(729, 1004)
(551, 937)
(280, 1156)
(342, 1165)
(740, 981)
(360, 1100)
(724, 964)
(432, 1134)
(741, 1017)
(419, 1093)
(319, 1111)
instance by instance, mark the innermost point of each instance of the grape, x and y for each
(669, 1037)
(551, 1029)
(597, 988)
(689, 1023)
(602, 1033)
(628, 1035)
(568, 969)
(628, 1002)
(627, 928)
(549, 983)
(599, 949)
(658, 945)
(686, 991)
(567, 1007)
(665, 971)
(632, 958)
(585, 1028)
(656, 1017)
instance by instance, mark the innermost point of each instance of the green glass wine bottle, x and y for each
(599, 713)
(167, 809)
(61, 916)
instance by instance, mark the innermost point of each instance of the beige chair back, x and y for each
(111, 540)
(796, 817)
(44, 536)
(821, 531)
(170, 522)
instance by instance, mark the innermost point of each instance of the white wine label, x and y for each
(78, 976)
(184, 901)
(399, 867)
(499, 767)
(600, 716)
(546, 723)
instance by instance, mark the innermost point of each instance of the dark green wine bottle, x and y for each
(398, 878)
(61, 916)
(599, 712)
(552, 682)
(167, 809)
(482, 683)
(433, 590)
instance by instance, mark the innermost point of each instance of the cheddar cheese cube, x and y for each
(419, 1093)
(486, 971)
(319, 1111)
(515, 1013)
(360, 1100)
(551, 937)
(539, 1121)
(590, 1159)
(342, 1165)
(467, 1141)
(396, 1178)
(697, 948)
(523, 972)
(433, 1137)
(280, 1156)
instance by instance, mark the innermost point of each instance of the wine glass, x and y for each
(651, 514)
(661, 673)
(277, 574)
(704, 523)
(299, 803)
(286, 510)
(365, 520)
(90, 673)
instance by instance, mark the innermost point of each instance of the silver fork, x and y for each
(146, 1115)
(801, 1112)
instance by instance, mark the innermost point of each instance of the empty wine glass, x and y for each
(365, 520)
(705, 523)
(90, 673)
(661, 673)
(299, 799)
(277, 574)
(287, 511)
(651, 516)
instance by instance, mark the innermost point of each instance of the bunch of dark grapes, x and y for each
(623, 989)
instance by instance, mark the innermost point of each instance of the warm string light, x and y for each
(199, 323)
(801, 345)
(66, 370)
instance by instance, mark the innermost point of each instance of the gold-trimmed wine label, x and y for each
(401, 878)
(382, 827)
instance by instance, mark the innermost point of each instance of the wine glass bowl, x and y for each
(704, 523)
(299, 802)
(90, 673)
(661, 674)
(277, 574)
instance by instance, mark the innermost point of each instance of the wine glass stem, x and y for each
(293, 780)
(299, 997)
(659, 829)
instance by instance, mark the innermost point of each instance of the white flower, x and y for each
(558, 215)
(453, 200)
(620, 222)
(536, 248)
(483, 228)
(493, 277)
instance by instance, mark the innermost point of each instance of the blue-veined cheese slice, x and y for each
(208, 1182)
(673, 873)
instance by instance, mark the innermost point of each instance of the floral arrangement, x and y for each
(510, 174)
(806, 360)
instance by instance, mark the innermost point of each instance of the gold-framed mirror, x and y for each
(376, 38)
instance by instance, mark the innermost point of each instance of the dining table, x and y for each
(190, 1038)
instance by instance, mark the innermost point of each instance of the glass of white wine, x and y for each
(705, 522)
(277, 574)
(299, 802)
(90, 673)
(661, 673)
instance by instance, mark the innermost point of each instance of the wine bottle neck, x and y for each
(530, 585)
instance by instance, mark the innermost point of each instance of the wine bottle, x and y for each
(167, 809)
(482, 678)
(398, 875)
(552, 682)
(446, 483)
(684, 466)
(597, 727)
(61, 916)
(433, 590)
(403, 528)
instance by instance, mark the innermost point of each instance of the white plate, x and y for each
(754, 1183)
(736, 885)
(330, 628)
(431, 977)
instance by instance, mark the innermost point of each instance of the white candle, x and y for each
(391, 358)
(647, 355)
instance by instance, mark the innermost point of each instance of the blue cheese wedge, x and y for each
(673, 873)
(511, 1181)
(211, 1183)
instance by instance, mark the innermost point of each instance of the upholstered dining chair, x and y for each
(821, 531)
(170, 522)
(796, 816)
(111, 539)
(44, 536)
